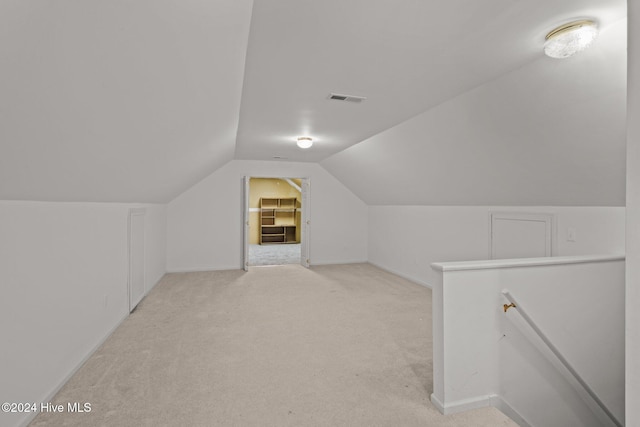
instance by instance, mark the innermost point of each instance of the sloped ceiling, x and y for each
(138, 100)
(550, 133)
(117, 100)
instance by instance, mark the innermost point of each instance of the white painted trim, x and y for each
(49, 397)
(305, 222)
(567, 370)
(222, 268)
(547, 218)
(155, 282)
(136, 212)
(523, 262)
(463, 405)
(436, 402)
(204, 268)
(493, 400)
(508, 410)
(340, 262)
(293, 184)
(404, 276)
(246, 189)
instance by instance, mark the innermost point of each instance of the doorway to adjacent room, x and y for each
(276, 221)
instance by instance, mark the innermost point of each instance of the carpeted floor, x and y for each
(342, 345)
(274, 254)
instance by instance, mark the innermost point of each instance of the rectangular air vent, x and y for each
(347, 98)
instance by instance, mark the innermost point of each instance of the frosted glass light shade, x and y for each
(304, 142)
(570, 39)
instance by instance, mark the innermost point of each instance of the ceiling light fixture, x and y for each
(305, 142)
(570, 38)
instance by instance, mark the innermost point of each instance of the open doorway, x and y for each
(276, 221)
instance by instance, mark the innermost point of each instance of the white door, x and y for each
(136, 257)
(306, 223)
(245, 224)
(520, 235)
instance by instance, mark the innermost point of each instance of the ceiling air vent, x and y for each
(347, 98)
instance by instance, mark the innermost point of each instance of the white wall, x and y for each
(205, 222)
(63, 276)
(633, 219)
(549, 133)
(129, 107)
(155, 244)
(407, 239)
(484, 356)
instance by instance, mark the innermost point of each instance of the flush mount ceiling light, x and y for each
(305, 142)
(570, 38)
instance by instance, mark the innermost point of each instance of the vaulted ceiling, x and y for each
(138, 100)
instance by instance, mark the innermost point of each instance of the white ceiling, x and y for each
(117, 100)
(550, 133)
(137, 100)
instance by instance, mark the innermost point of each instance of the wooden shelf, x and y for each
(278, 220)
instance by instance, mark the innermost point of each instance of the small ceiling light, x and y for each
(305, 142)
(570, 38)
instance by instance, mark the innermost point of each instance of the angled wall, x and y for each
(408, 239)
(484, 355)
(205, 222)
(549, 133)
(118, 101)
(64, 272)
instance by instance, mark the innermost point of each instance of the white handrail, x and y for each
(559, 355)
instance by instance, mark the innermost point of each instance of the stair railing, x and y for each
(558, 354)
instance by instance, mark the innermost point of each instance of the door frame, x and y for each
(135, 212)
(305, 222)
(547, 218)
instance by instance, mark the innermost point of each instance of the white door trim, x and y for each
(305, 219)
(305, 223)
(547, 218)
(245, 223)
(135, 295)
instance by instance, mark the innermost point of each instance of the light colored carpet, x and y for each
(274, 254)
(342, 345)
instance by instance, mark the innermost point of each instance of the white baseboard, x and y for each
(463, 405)
(436, 402)
(155, 282)
(49, 396)
(404, 276)
(340, 262)
(204, 268)
(480, 402)
(239, 267)
(508, 410)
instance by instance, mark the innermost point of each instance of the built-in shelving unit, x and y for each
(278, 220)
